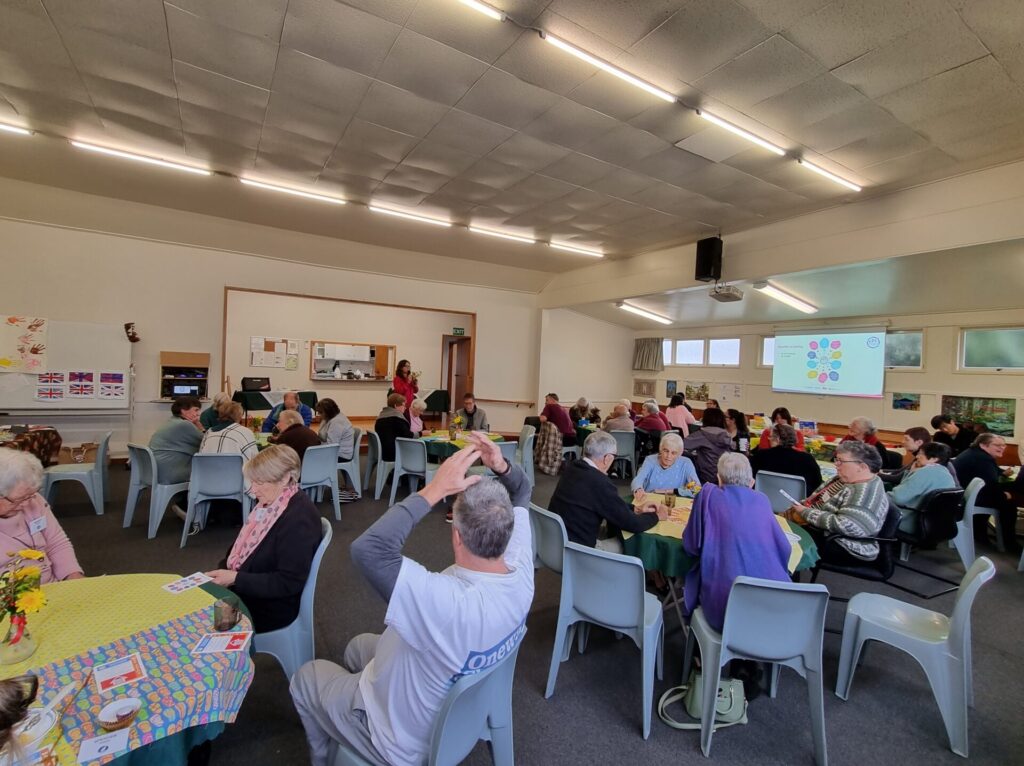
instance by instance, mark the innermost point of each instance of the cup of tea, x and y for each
(226, 614)
(670, 500)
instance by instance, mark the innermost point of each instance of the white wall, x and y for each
(939, 375)
(581, 356)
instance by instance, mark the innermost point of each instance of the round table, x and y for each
(441, 447)
(582, 432)
(187, 699)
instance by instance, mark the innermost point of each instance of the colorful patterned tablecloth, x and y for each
(95, 620)
(440, 446)
(42, 441)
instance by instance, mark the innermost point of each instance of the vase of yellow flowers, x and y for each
(20, 595)
(455, 426)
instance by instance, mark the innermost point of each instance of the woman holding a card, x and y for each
(270, 560)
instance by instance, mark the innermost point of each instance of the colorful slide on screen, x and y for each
(839, 363)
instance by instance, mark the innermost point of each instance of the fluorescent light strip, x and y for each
(514, 237)
(486, 10)
(612, 70)
(645, 314)
(15, 129)
(783, 297)
(410, 216)
(830, 176)
(296, 192)
(140, 158)
(741, 133)
(573, 249)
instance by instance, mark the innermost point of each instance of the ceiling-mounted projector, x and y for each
(726, 293)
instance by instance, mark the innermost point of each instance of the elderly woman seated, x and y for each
(667, 472)
(852, 505)
(584, 411)
(783, 456)
(928, 472)
(26, 521)
(863, 430)
(732, 532)
(270, 560)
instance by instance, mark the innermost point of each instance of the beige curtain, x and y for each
(647, 354)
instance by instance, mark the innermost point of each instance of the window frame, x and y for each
(703, 352)
(924, 346)
(760, 353)
(739, 352)
(961, 352)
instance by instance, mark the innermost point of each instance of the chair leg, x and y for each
(99, 491)
(559, 653)
(649, 659)
(90, 490)
(158, 501)
(773, 689)
(948, 681)
(849, 654)
(660, 667)
(582, 636)
(904, 551)
(335, 494)
(191, 512)
(964, 543)
(502, 752)
(815, 699)
(394, 486)
(711, 662)
(383, 471)
(129, 507)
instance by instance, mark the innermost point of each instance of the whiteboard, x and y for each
(74, 346)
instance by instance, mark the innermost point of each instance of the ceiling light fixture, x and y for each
(643, 313)
(574, 249)
(742, 133)
(612, 70)
(491, 233)
(295, 192)
(141, 158)
(830, 176)
(486, 10)
(15, 129)
(410, 216)
(783, 297)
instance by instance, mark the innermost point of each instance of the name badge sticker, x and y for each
(37, 525)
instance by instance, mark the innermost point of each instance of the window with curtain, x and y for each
(647, 354)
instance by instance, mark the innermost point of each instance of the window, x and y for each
(767, 352)
(997, 348)
(666, 352)
(903, 349)
(724, 351)
(690, 352)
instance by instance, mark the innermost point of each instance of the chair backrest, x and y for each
(372, 447)
(526, 453)
(607, 588)
(475, 702)
(357, 437)
(309, 589)
(888, 551)
(143, 464)
(625, 444)
(319, 463)
(770, 482)
(216, 473)
(981, 571)
(971, 495)
(940, 511)
(549, 537)
(892, 460)
(526, 432)
(101, 452)
(532, 420)
(508, 450)
(410, 455)
(774, 621)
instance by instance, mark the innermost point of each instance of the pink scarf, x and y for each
(261, 519)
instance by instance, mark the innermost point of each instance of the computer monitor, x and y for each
(186, 390)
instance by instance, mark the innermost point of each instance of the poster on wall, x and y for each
(273, 352)
(670, 388)
(644, 388)
(49, 393)
(902, 401)
(994, 415)
(729, 392)
(23, 344)
(699, 392)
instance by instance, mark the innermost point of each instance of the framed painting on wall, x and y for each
(644, 388)
(670, 388)
(997, 416)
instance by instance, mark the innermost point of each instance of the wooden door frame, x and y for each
(447, 341)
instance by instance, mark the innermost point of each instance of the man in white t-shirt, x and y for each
(441, 625)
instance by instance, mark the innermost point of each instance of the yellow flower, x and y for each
(29, 553)
(28, 573)
(31, 601)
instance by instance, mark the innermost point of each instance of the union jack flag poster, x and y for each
(81, 377)
(112, 391)
(51, 378)
(112, 377)
(49, 393)
(81, 390)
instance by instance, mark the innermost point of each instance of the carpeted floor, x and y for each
(594, 715)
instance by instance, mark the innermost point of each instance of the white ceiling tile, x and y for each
(304, 119)
(61, 82)
(397, 11)
(807, 103)
(909, 165)
(362, 136)
(469, 191)
(108, 57)
(339, 34)
(318, 82)
(619, 210)
(263, 19)
(416, 178)
(621, 22)
(362, 164)
(140, 22)
(982, 142)
(284, 144)
(778, 15)
(714, 144)
(669, 122)
(429, 68)
(286, 170)
(495, 174)
(714, 176)
(27, 34)
(468, 132)
(669, 165)
(621, 183)
(440, 158)
(578, 169)
(534, 61)
(997, 22)
(766, 70)
(141, 135)
(846, 127)
(624, 145)
(129, 99)
(402, 197)
(541, 188)
(522, 151)
(200, 121)
(965, 121)
(199, 42)
(512, 202)
(462, 28)
(879, 147)
(506, 100)
(666, 198)
(219, 152)
(67, 115)
(609, 95)
(585, 200)
(400, 110)
(346, 185)
(216, 92)
(570, 124)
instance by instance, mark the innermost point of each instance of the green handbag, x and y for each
(730, 704)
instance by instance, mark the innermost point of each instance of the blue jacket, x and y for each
(271, 422)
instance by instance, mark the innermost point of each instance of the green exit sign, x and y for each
(458, 331)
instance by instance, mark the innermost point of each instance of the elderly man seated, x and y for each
(619, 420)
(667, 472)
(289, 402)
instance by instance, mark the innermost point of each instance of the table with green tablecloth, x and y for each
(440, 446)
(582, 432)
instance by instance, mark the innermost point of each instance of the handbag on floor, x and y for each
(730, 703)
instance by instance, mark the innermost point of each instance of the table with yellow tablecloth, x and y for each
(441, 446)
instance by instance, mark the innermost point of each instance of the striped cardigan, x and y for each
(856, 510)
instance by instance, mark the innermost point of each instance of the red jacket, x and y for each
(764, 443)
(406, 388)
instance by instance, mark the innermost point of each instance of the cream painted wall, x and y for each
(939, 375)
(581, 356)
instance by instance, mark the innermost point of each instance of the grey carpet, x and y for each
(594, 715)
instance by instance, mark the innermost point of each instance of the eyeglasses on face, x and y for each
(839, 460)
(16, 501)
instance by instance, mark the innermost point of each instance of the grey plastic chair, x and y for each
(549, 540)
(526, 432)
(295, 645)
(351, 467)
(964, 540)
(92, 476)
(608, 589)
(768, 621)
(526, 458)
(144, 474)
(478, 706)
(769, 483)
(508, 451)
(942, 645)
(215, 476)
(410, 460)
(374, 460)
(320, 469)
(625, 449)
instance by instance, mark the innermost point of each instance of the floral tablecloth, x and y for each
(42, 441)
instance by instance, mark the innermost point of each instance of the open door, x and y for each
(460, 379)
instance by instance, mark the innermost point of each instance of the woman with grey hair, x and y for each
(584, 411)
(667, 472)
(863, 430)
(26, 520)
(853, 504)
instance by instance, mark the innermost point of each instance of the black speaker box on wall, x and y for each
(709, 260)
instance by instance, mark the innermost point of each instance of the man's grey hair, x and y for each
(982, 439)
(18, 467)
(484, 517)
(651, 408)
(734, 468)
(861, 452)
(619, 410)
(599, 444)
(672, 440)
(289, 418)
(865, 424)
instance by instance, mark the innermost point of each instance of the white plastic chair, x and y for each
(964, 541)
(351, 467)
(92, 476)
(526, 458)
(524, 434)
(942, 645)
(320, 469)
(769, 483)
(144, 474)
(625, 448)
(215, 476)
(374, 459)
(295, 645)
(508, 451)
(768, 621)
(478, 706)
(410, 460)
(608, 589)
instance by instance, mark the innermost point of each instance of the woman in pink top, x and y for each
(26, 520)
(678, 415)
